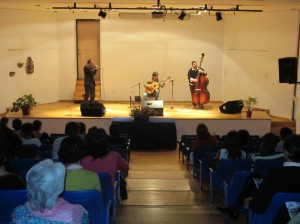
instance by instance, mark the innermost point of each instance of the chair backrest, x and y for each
(92, 201)
(201, 153)
(9, 199)
(277, 201)
(106, 187)
(226, 168)
(234, 186)
(21, 166)
(263, 166)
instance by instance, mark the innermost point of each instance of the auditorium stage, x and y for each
(55, 115)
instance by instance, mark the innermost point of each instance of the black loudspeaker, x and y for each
(232, 107)
(156, 107)
(94, 109)
(287, 70)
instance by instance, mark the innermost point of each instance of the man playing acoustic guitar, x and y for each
(152, 87)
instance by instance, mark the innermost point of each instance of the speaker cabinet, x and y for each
(94, 109)
(287, 70)
(156, 106)
(232, 107)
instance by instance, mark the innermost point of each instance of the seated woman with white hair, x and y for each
(45, 182)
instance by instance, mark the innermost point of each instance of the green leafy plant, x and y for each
(141, 114)
(26, 101)
(250, 102)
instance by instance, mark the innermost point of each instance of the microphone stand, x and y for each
(172, 81)
(139, 84)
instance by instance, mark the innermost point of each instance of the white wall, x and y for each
(241, 51)
(24, 34)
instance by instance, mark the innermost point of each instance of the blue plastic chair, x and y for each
(225, 169)
(9, 199)
(200, 154)
(204, 167)
(93, 202)
(108, 192)
(263, 166)
(277, 201)
(21, 166)
(183, 143)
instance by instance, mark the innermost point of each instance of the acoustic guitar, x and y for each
(151, 87)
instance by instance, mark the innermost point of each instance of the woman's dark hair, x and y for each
(243, 136)
(17, 124)
(233, 145)
(202, 131)
(96, 142)
(71, 150)
(292, 146)
(114, 130)
(37, 125)
(269, 142)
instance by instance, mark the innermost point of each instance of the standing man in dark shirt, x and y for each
(90, 70)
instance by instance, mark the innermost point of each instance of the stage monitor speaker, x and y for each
(94, 109)
(232, 107)
(156, 106)
(287, 70)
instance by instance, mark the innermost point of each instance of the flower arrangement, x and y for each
(140, 114)
(26, 102)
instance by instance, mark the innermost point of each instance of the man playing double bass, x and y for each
(192, 77)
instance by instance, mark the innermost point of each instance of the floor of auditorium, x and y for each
(161, 190)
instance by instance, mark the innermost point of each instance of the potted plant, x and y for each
(140, 114)
(25, 103)
(249, 102)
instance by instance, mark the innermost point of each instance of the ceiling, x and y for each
(93, 5)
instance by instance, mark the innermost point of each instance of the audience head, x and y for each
(37, 125)
(4, 121)
(17, 124)
(71, 150)
(202, 131)
(269, 142)
(284, 132)
(27, 130)
(243, 136)
(114, 130)
(82, 128)
(11, 140)
(233, 145)
(72, 129)
(96, 142)
(45, 182)
(292, 148)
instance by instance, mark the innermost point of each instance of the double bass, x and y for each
(201, 95)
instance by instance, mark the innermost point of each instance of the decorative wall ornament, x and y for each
(29, 66)
(20, 64)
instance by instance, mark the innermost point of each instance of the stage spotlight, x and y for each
(219, 16)
(102, 14)
(182, 15)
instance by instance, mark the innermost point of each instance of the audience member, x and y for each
(101, 159)
(8, 180)
(16, 125)
(243, 136)
(71, 129)
(27, 133)
(204, 138)
(4, 124)
(284, 179)
(284, 132)
(45, 182)
(115, 137)
(37, 133)
(70, 153)
(82, 130)
(232, 148)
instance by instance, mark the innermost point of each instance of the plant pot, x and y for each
(26, 110)
(249, 113)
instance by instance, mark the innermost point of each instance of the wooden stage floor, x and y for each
(185, 116)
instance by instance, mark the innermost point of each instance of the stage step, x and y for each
(278, 123)
(79, 91)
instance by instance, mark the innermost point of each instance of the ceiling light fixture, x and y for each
(182, 15)
(219, 16)
(102, 14)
